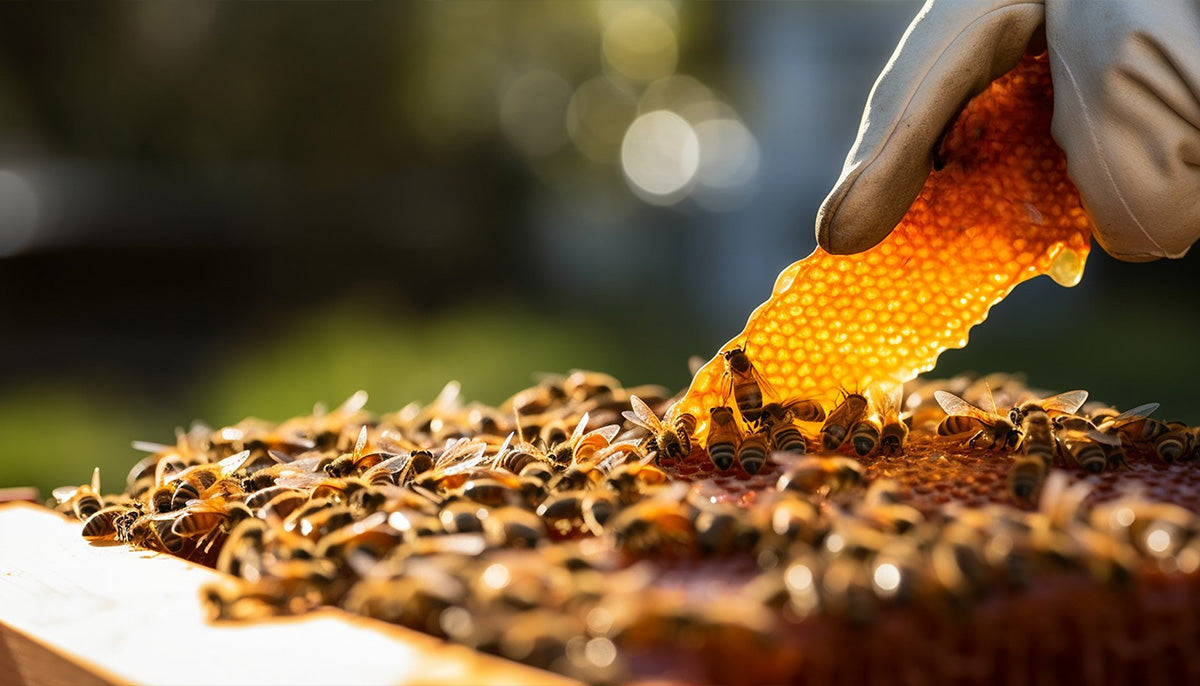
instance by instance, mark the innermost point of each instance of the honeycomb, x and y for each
(1000, 211)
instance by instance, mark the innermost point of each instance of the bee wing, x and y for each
(234, 463)
(361, 442)
(955, 405)
(764, 386)
(151, 447)
(96, 481)
(356, 402)
(578, 432)
(608, 432)
(64, 493)
(650, 420)
(392, 465)
(1090, 435)
(1135, 413)
(1068, 402)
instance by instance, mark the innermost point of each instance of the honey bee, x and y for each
(963, 417)
(597, 508)
(629, 481)
(752, 453)
(745, 383)
(204, 517)
(865, 435)
(513, 527)
(884, 505)
(1135, 426)
(685, 428)
(357, 460)
(783, 435)
(1089, 448)
(671, 442)
(894, 433)
(102, 524)
(822, 475)
(1037, 448)
(844, 417)
(724, 436)
(581, 447)
(83, 501)
(155, 532)
(563, 512)
(654, 526)
(1175, 444)
(196, 481)
(1063, 403)
(241, 554)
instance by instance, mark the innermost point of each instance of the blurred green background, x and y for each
(209, 211)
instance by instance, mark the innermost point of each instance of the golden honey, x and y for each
(1000, 211)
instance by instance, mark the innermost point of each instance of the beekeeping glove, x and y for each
(1126, 77)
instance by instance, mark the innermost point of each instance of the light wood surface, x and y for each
(75, 613)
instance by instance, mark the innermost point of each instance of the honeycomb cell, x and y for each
(1000, 211)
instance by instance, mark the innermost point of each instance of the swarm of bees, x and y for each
(552, 529)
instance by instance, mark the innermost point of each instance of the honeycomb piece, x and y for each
(1001, 210)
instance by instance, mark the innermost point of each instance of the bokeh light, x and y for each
(19, 210)
(533, 112)
(660, 156)
(640, 42)
(597, 116)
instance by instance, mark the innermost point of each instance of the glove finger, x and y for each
(1127, 113)
(950, 53)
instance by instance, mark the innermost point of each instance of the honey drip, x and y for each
(1000, 211)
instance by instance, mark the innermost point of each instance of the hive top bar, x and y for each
(124, 619)
(999, 211)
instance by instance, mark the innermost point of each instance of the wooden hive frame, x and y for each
(80, 614)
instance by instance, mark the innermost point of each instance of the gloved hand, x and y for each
(1126, 79)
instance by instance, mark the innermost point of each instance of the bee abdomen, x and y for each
(789, 440)
(752, 454)
(722, 454)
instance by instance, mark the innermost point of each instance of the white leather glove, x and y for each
(1126, 77)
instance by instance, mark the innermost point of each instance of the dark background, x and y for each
(220, 210)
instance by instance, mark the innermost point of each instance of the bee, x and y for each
(800, 409)
(356, 461)
(513, 527)
(865, 435)
(629, 481)
(83, 501)
(745, 383)
(204, 517)
(671, 442)
(1135, 426)
(752, 453)
(844, 417)
(1175, 444)
(685, 428)
(155, 532)
(822, 475)
(1037, 448)
(102, 524)
(724, 436)
(597, 508)
(654, 526)
(883, 504)
(963, 417)
(194, 482)
(581, 447)
(783, 435)
(1089, 448)
(894, 433)
(563, 512)
(243, 550)
(1063, 403)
